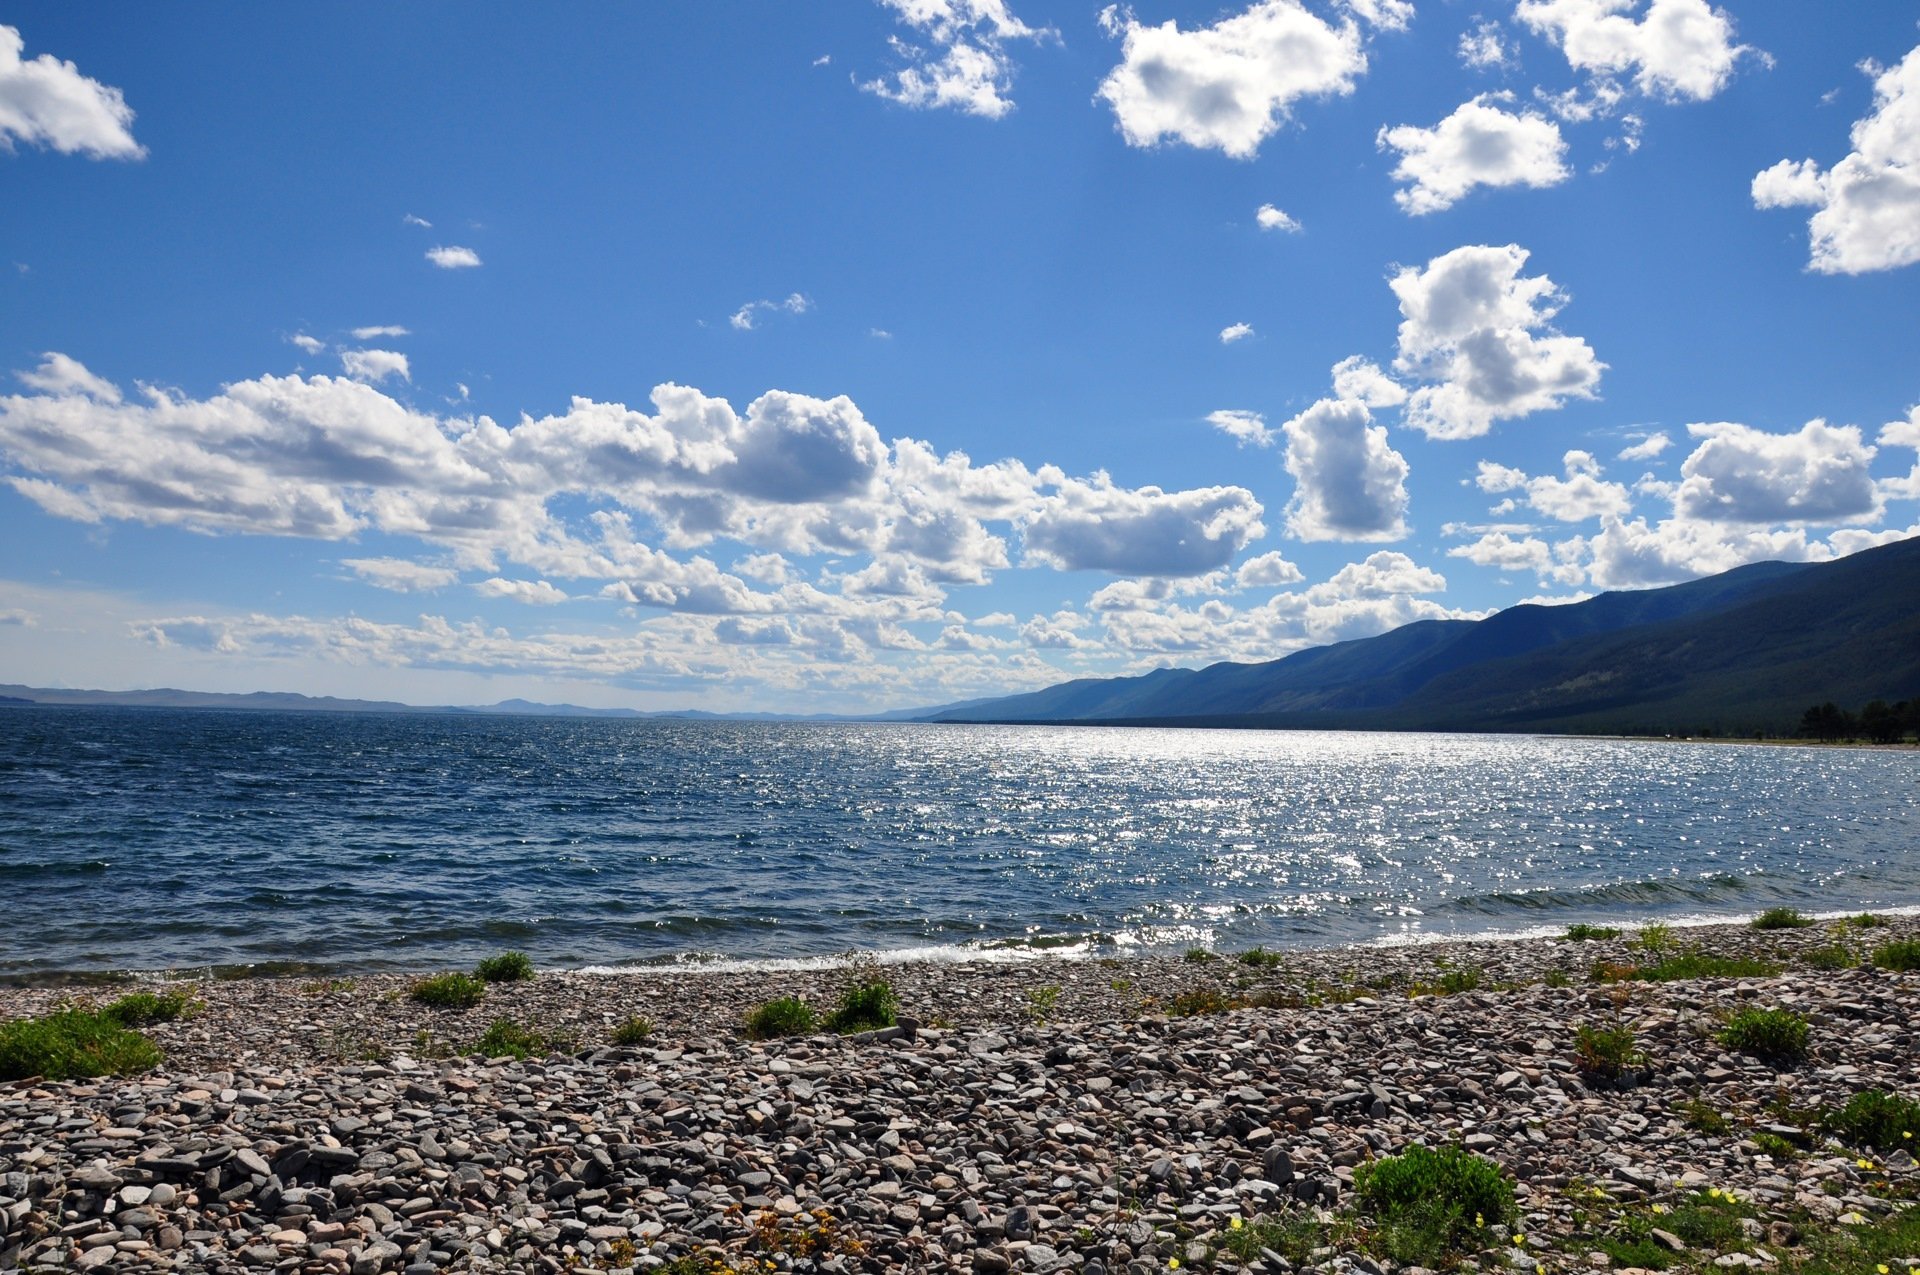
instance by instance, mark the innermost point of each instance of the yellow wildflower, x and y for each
(1519, 1239)
(1173, 1263)
(1479, 1219)
(1236, 1224)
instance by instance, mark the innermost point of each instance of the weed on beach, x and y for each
(449, 991)
(1430, 1204)
(1781, 919)
(1877, 1120)
(144, 1009)
(865, 1006)
(783, 1016)
(72, 1043)
(1609, 1055)
(1902, 955)
(1584, 933)
(637, 1030)
(508, 967)
(505, 1038)
(1772, 1035)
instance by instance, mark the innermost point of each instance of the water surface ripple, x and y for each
(140, 839)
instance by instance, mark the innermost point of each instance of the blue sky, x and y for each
(873, 354)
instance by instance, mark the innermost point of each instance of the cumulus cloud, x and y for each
(1903, 433)
(1243, 427)
(375, 365)
(400, 575)
(1581, 495)
(58, 374)
(453, 257)
(311, 344)
(532, 592)
(1868, 204)
(1481, 332)
(748, 316)
(1267, 571)
(1235, 332)
(1480, 144)
(1349, 483)
(1228, 86)
(1503, 552)
(1739, 474)
(1679, 50)
(1362, 380)
(1271, 218)
(46, 102)
(1144, 531)
(963, 64)
(1485, 47)
(1380, 575)
(1646, 449)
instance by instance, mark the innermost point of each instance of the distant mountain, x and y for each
(1744, 651)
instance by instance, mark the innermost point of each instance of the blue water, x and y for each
(143, 839)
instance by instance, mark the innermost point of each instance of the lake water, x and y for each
(143, 839)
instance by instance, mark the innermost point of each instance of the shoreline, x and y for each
(1046, 1115)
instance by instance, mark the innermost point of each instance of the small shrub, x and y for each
(1657, 937)
(1710, 1221)
(1613, 971)
(786, 1016)
(1454, 982)
(864, 1006)
(1200, 1000)
(1697, 964)
(1199, 956)
(1702, 1117)
(637, 1030)
(1584, 933)
(1772, 1144)
(1607, 1054)
(1294, 1236)
(1833, 956)
(1781, 919)
(1427, 1201)
(1904, 955)
(449, 991)
(506, 1039)
(1041, 1001)
(1877, 1119)
(1260, 958)
(1557, 978)
(144, 1009)
(1631, 1243)
(1774, 1035)
(1864, 921)
(508, 967)
(70, 1044)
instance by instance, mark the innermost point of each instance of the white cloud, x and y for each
(1478, 145)
(374, 366)
(966, 67)
(1235, 332)
(1581, 495)
(1646, 449)
(880, 334)
(1231, 85)
(58, 374)
(1485, 48)
(1868, 204)
(311, 344)
(1502, 552)
(15, 618)
(453, 257)
(1739, 474)
(400, 575)
(1349, 483)
(1271, 218)
(1096, 526)
(374, 333)
(1243, 427)
(409, 219)
(1362, 380)
(1903, 433)
(767, 568)
(1681, 49)
(746, 318)
(1388, 15)
(532, 592)
(46, 102)
(1267, 571)
(1472, 324)
(1381, 575)
(1635, 555)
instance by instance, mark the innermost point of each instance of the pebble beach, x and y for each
(1093, 1115)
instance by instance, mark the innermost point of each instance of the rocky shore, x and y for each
(1130, 1115)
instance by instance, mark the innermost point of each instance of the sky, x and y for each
(862, 355)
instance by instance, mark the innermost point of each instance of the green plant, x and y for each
(1781, 919)
(508, 967)
(1584, 933)
(144, 1009)
(1657, 937)
(1260, 958)
(1774, 1145)
(1877, 1119)
(1200, 1000)
(448, 991)
(785, 1016)
(72, 1043)
(636, 1030)
(1041, 1001)
(1710, 1219)
(1198, 956)
(865, 1005)
(1833, 956)
(1774, 1035)
(1430, 1203)
(1293, 1236)
(1557, 978)
(505, 1038)
(1606, 1053)
(1698, 964)
(1701, 1116)
(1902, 954)
(1864, 921)
(1630, 1242)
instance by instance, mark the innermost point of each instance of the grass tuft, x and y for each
(1903, 955)
(71, 1044)
(1431, 1204)
(1198, 1001)
(508, 967)
(1877, 1119)
(784, 1016)
(1698, 964)
(1773, 1035)
(448, 991)
(144, 1009)
(1781, 919)
(1607, 1054)
(865, 1006)
(1260, 958)
(637, 1030)
(1584, 933)
(505, 1038)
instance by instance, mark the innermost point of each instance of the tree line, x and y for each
(1879, 721)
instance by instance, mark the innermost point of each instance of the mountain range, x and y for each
(1744, 652)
